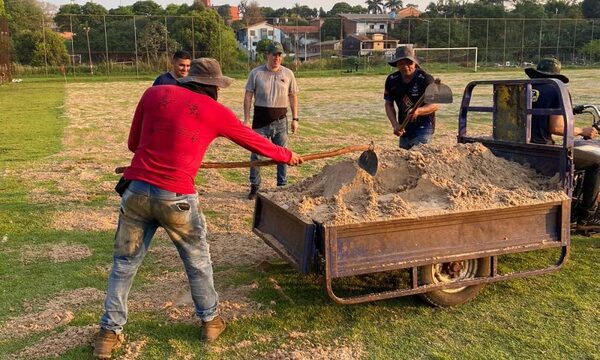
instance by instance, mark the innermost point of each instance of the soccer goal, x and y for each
(462, 56)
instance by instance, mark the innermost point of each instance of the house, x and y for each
(247, 38)
(364, 45)
(364, 24)
(297, 38)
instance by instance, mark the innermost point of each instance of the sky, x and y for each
(275, 4)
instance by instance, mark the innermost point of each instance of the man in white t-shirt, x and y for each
(274, 89)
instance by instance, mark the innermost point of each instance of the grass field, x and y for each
(58, 211)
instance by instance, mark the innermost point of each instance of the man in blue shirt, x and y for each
(181, 65)
(546, 96)
(403, 89)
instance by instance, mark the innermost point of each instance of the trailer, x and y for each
(449, 257)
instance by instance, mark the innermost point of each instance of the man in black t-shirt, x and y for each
(404, 88)
(546, 96)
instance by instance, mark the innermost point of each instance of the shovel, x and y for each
(367, 161)
(436, 93)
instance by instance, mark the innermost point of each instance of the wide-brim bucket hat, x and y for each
(547, 68)
(404, 52)
(206, 71)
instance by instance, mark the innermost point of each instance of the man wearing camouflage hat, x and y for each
(546, 96)
(274, 88)
(404, 88)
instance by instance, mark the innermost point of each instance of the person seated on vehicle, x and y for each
(544, 126)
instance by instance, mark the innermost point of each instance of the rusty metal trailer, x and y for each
(449, 257)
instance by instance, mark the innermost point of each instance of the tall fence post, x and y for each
(45, 48)
(558, 41)
(137, 70)
(106, 46)
(193, 40)
(504, 46)
(166, 44)
(487, 39)
(540, 42)
(72, 44)
(574, 37)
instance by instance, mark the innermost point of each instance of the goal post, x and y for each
(462, 55)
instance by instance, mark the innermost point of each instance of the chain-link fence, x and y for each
(113, 44)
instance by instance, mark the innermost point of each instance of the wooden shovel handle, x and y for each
(247, 164)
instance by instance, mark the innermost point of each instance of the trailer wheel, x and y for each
(449, 272)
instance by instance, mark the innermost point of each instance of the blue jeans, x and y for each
(277, 132)
(421, 135)
(145, 207)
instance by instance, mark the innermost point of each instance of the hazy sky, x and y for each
(326, 4)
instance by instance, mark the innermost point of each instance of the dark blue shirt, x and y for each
(165, 79)
(406, 95)
(543, 96)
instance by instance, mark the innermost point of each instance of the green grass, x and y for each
(548, 317)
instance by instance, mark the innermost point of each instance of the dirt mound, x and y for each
(430, 180)
(58, 343)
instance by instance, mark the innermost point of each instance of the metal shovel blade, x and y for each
(438, 93)
(369, 162)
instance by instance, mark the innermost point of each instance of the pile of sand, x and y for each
(430, 180)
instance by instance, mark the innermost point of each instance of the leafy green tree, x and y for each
(2, 9)
(591, 49)
(331, 28)
(24, 15)
(393, 5)
(31, 49)
(484, 9)
(340, 8)
(528, 9)
(225, 12)
(51, 50)
(252, 14)
(562, 9)
(591, 9)
(262, 45)
(122, 10)
(151, 40)
(147, 7)
(375, 6)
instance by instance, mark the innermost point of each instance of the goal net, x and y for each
(456, 56)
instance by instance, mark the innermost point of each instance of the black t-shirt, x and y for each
(544, 96)
(405, 95)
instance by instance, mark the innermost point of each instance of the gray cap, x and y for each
(404, 52)
(547, 68)
(206, 71)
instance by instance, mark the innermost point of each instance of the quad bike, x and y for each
(584, 147)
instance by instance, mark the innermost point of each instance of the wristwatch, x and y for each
(294, 119)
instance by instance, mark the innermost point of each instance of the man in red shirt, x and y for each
(171, 130)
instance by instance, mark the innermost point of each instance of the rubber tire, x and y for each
(442, 298)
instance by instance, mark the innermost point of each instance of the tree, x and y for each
(528, 9)
(375, 6)
(394, 5)
(331, 29)
(252, 13)
(592, 49)
(2, 10)
(51, 50)
(591, 9)
(24, 15)
(340, 8)
(225, 12)
(147, 7)
(262, 45)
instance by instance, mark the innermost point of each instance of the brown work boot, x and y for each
(106, 342)
(253, 192)
(211, 330)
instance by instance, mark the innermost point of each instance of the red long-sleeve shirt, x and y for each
(171, 129)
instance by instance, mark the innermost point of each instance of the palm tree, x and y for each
(394, 5)
(375, 6)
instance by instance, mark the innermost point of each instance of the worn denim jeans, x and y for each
(421, 135)
(145, 207)
(277, 132)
